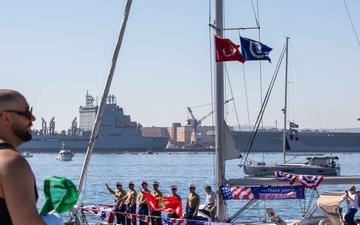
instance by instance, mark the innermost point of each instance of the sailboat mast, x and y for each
(219, 118)
(100, 113)
(285, 105)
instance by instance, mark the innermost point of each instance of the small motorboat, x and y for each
(27, 154)
(64, 154)
(149, 152)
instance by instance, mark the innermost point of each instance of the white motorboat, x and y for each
(27, 154)
(64, 154)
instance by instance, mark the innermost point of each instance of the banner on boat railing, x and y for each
(265, 193)
(107, 213)
(173, 221)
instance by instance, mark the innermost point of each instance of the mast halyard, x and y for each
(219, 119)
(285, 105)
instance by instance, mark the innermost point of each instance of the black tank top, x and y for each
(4, 213)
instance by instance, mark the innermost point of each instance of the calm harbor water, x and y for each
(167, 168)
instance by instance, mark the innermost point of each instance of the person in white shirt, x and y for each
(210, 203)
(352, 205)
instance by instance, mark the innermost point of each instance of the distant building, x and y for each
(183, 135)
(173, 132)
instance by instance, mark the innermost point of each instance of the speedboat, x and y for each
(27, 154)
(65, 154)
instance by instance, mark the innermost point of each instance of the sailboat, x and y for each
(222, 149)
(314, 164)
(223, 138)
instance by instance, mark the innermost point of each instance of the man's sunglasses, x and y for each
(28, 114)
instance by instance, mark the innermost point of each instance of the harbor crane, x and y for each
(195, 136)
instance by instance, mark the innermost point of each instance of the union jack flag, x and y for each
(231, 192)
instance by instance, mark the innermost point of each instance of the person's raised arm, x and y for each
(110, 190)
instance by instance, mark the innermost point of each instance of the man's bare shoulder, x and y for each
(14, 170)
(12, 163)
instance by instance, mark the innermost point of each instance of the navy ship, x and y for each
(117, 132)
(307, 142)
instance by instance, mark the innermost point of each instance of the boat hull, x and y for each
(268, 170)
(104, 144)
(64, 158)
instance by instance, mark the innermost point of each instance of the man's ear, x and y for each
(5, 119)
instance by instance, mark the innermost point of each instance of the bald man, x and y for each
(18, 192)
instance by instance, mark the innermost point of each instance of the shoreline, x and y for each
(176, 150)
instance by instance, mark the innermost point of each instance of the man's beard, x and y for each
(23, 134)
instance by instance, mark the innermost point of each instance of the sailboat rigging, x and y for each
(75, 213)
(222, 137)
(316, 165)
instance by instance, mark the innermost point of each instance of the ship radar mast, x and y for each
(111, 99)
(89, 100)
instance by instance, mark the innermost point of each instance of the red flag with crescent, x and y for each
(226, 50)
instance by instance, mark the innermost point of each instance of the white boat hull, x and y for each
(65, 155)
(315, 165)
(64, 158)
(268, 170)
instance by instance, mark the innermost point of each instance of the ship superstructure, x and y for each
(117, 132)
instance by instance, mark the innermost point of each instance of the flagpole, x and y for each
(219, 119)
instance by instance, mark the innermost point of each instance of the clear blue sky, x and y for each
(55, 51)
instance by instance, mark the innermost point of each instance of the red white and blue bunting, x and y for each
(280, 176)
(307, 181)
(310, 181)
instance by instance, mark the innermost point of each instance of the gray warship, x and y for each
(117, 132)
(306, 142)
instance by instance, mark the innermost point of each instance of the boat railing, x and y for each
(305, 154)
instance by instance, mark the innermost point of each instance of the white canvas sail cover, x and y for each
(231, 149)
(329, 203)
